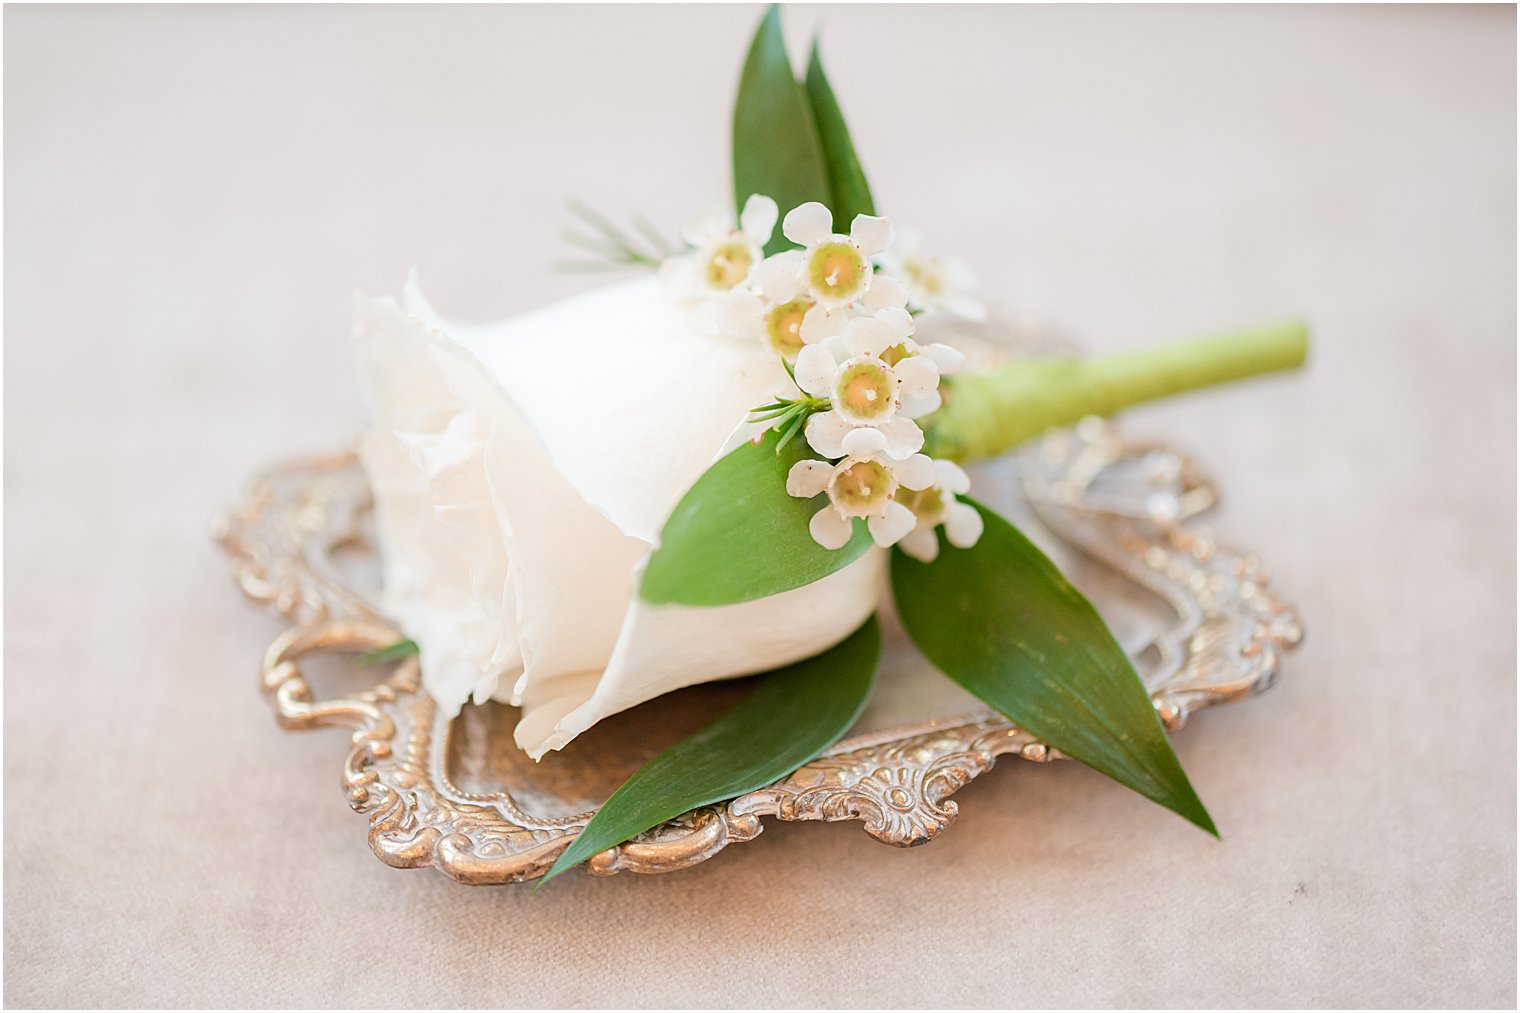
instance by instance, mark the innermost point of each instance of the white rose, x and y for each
(522, 473)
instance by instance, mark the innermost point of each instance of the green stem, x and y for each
(987, 414)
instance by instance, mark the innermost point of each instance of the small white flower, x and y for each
(937, 504)
(784, 316)
(722, 257)
(846, 330)
(864, 484)
(834, 270)
(783, 327)
(934, 283)
(777, 325)
(948, 361)
(809, 296)
(863, 388)
(779, 280)
(826, 320)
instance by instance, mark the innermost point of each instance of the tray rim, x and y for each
(897, 782)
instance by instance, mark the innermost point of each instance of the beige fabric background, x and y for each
(192, 194)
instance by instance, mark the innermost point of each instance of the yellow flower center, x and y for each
(837, 270)
(862, 488)
(928, 504)
(729, 264)
(926, 275)
(895, 354)
(783, 327)
(866, 391)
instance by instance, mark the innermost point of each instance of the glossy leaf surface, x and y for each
(737, 535)
(792, 715)
(851, 194)
(1002, 621)
(776, 148)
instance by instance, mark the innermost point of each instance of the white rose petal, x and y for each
(631, 400)
(665, 647)
(523, 471)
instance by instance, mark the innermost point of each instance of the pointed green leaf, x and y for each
(737, 535)
(776, 147)
(999, 619)
(793, 714)
(847, 180)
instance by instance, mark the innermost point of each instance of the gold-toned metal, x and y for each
(433, 789)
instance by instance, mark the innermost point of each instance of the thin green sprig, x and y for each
(788, 415)
(613, 248)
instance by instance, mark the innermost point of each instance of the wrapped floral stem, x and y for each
(988, 414)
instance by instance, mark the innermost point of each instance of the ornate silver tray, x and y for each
(1119, 515)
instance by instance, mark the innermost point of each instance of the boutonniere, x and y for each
(723, 468)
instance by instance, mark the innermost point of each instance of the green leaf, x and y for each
(737, 535)
(999, 619)
(793, 714)
(395, 652)
(847, 180)
(776, 147)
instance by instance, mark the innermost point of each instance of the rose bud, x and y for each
(522, 473)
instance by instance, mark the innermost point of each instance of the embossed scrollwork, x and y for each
(1226, 643)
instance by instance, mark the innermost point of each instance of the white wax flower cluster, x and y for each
(842, 324)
